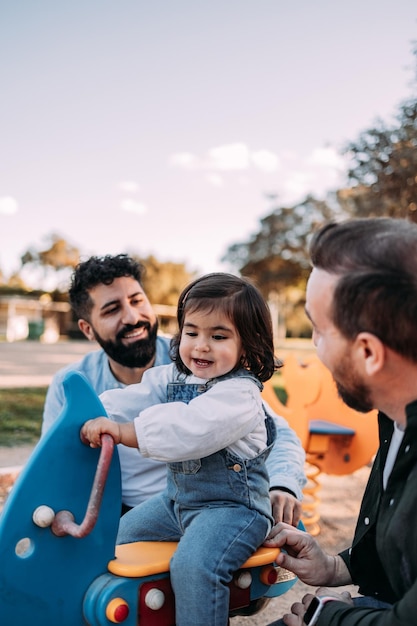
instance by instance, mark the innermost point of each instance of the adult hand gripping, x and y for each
(302, 555)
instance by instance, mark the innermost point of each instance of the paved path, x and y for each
(32, 363)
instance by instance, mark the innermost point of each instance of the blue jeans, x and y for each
(215, 542)
(218, 508)
(359, 601)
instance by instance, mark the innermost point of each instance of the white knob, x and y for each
(43, 516)
(155, 599)
(244, 580)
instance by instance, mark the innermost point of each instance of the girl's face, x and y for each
(210, 345)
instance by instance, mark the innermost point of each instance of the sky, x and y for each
(164, 127)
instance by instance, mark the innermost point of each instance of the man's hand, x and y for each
(304, 557)
(285, 507)
(298, 609)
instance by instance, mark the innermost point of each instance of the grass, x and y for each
(21, 412)
(21, 415)
(279, 389)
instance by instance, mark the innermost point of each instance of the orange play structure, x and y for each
(337, 439)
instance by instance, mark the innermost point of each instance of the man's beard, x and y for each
(137, 354)
(353, 392)
(357, 398)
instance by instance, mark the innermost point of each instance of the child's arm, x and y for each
(122, 433)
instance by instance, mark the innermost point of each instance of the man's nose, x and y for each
(130, 315)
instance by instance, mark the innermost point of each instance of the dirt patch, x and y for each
(11, 462)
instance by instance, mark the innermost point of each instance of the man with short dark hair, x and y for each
(112, 308)
(362, 302)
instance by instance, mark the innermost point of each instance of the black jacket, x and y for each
(383, 556)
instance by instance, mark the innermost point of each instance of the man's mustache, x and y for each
(129, 327)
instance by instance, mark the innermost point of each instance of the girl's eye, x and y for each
(218, 337)
(190, 334)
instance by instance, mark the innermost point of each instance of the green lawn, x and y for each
(279, 389)
(21, 415)
(21, 412)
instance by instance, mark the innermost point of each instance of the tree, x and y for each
(163, 281)
(59, 255)
(277, 255)
(56, 261)
(276, 259)
(384, 168)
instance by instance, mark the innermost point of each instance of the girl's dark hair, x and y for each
(375, 260)
(243, 304)
(99, 270)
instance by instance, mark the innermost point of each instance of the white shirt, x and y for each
(229, 415)
(397, 437)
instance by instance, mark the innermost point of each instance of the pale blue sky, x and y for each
(159, 126)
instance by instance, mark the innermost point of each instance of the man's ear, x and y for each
(372, 352)
(86, 329)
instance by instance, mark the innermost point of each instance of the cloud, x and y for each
(265, 161)
(129, 186)
(215, 179)
(185, 160)
(8, 205)
(296, 176)
(132, 206)
(232, 157)
(326, 157)
(316, 174)
(297, 185)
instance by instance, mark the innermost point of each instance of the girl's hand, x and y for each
(93, 429)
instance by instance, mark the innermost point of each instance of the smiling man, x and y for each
(112, 308)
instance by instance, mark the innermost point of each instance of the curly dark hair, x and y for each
(98, 270)
(244, 305)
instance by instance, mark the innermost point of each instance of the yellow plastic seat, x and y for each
(147, 558)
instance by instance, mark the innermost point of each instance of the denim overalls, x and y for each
(219, 509)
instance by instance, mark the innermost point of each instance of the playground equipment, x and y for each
(337, 439)
(58, 570)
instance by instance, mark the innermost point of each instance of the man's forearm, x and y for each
(340, 575)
